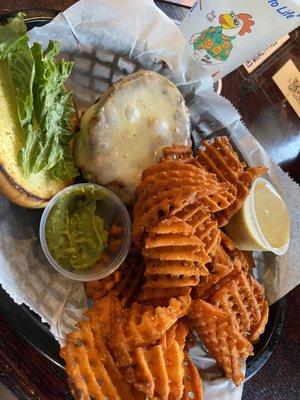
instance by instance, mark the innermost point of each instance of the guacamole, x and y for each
(75, 233)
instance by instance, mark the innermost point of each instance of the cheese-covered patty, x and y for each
(125, 131)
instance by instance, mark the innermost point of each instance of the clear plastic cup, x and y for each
(112, 210)
(244, 227)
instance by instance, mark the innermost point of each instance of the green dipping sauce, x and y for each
(75, 234)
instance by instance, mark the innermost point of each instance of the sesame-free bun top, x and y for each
(35, 190)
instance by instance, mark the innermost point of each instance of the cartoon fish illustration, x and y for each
(214, 45)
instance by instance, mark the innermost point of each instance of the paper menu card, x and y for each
(254, 62)
(288, 81)
(222, 35)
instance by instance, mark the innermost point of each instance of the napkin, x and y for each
(107, 40)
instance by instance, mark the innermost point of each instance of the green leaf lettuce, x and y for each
(44, 106)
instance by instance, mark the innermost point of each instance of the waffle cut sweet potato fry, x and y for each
(158, 370)
(174, 255)
(242, 297)
(176, 252)
(227, 259)
(234, 302)
(173, 184)
(220, 159)
(93, 373)
(183, 274)
(155, 346)
(125, 282)
(161, 296)
(95, 290)
(140, 326)
(174, 358)
(221, 337)
(192, 380)
(204, 226)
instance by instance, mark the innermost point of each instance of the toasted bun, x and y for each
(36, 190)
(126, 130)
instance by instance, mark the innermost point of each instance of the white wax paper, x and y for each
(108, 39)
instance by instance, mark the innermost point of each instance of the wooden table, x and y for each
(273, 122)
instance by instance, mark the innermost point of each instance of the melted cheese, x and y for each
(125, 132)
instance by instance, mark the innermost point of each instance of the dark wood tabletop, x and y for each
(266, 112)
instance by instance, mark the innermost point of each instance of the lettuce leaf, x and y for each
(15, 50)
(45, 108)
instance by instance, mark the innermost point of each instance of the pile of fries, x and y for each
(182, 274)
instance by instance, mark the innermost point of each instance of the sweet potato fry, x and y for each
(220, 158)
(192, 381)
(221, 337)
